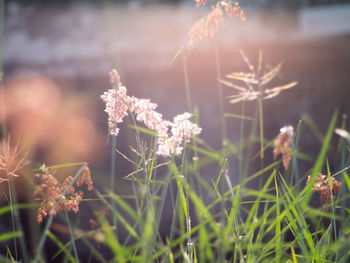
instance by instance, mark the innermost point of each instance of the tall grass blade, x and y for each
(61, 246)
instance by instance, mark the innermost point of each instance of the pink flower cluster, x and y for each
(118, 104)
(207, 26)
(182, 130)
(55, 196)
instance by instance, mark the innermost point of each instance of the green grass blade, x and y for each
(320, 159)
(61, 246)
(112, 242)
(10, 235)
(180, 182)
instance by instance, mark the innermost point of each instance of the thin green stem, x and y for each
(112, 174)
(221, 99)
(113, 164)
(72, 237)
(12, 217)
(175, 206)
(2, 104)
(188, 216)
(261, 125)
(241, 145)
(187, 83)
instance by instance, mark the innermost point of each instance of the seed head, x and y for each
(283, 145)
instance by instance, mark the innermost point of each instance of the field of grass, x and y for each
(274, 213)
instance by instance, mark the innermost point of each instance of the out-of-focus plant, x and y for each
(207, 26)
(12, 160)
(60, 127)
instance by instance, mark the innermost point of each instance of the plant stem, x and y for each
(2, 104)
(261, 125)
(12, 216)
(72, 237)
(188, 216)
(221, 100)
(112, 174)
(187, 83)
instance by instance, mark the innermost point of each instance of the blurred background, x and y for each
(56, 56)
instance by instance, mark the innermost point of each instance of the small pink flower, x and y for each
(118, 104)
(116, 107)
(114, 78)
(182, 131)
(200, 2)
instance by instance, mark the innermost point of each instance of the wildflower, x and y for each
(213, 20)
(208, 25)
(242, 16)
(283, 145)
(197, 32)
(85, 178)
(255, 82)
(200, 2)
(55, 196)
(236, 9)
(145, 112)
(12, 159)
(182, 131)
(114, 78)
(182, 128)
(323, 187)
(228, 8)
(116, 107)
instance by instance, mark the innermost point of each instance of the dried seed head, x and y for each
(283, 145)
(322, 186)
(207, 26)
(114, 78)
(55, 196)
(12, 159)
(85, 177)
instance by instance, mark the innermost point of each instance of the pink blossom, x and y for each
(116, 107)
(118, 104)
(114, 78)
(182, 131)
